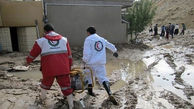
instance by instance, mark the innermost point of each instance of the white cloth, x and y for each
(99, 71)
(176, 27)
(94, 52)
(70, 101)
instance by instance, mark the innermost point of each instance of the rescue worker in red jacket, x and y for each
(56, 62)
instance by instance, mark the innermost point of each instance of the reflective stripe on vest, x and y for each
(31, 57)
(53, 52)
(43, 86)
(65, 88)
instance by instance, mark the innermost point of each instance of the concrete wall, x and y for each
(26, 38)
(72, 22)
(124, 3)
(20, 14)
(5, 39)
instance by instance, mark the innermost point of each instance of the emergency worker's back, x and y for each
(95, 51)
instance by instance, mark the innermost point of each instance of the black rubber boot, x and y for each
(90, 90)
(107, 88)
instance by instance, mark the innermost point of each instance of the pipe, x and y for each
(37, 29)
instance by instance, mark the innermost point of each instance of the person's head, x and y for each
(48, 27)
(169, 23)
(91, 30)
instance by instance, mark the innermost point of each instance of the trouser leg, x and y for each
(90, 90)
(65, 84)
(103, 80)
(89, 80)
(70, 101)
(45, 85)
(43, 94)
(88, 75)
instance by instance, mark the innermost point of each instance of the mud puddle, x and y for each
(123, 67)
(172, 73)
(120, 72)
(132, 78)
(161, 78)
(165, 80)
(34, 75)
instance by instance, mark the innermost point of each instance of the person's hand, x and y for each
(115, 54)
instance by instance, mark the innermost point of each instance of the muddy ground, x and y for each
(158, 74)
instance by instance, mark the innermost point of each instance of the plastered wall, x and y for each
(21, 14)
(26, 38)
(72, 22)
(5, 39)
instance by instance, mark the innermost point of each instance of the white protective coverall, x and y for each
(94, 55)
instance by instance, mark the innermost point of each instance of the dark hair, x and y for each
(48, 27)
(91, 30)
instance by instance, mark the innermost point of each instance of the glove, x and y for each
(115, 54)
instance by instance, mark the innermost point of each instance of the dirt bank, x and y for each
(174, 11)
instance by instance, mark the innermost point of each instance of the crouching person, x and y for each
(94, 56)
(56, 62)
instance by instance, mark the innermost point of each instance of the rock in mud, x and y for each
(179, 72)
(169, 59)
(3, 73)
(189, 58)
(19, 68)
(163, 43)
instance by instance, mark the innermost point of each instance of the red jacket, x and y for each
(56, 58)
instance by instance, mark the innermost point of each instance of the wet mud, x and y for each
(155, 75)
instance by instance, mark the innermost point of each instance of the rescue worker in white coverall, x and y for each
(94, 56)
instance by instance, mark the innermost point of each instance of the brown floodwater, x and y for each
(134, 68)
